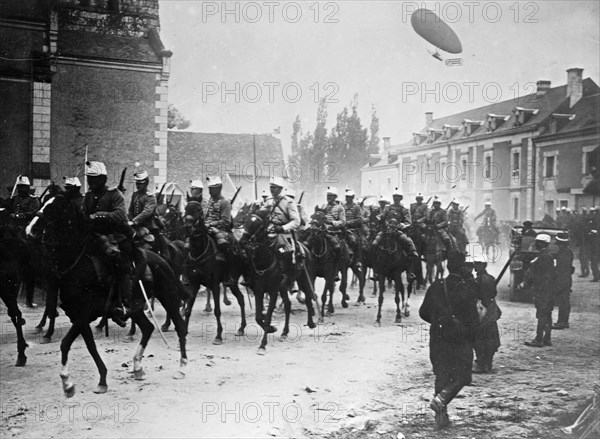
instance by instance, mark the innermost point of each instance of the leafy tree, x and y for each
(176, 119)
(374, 135)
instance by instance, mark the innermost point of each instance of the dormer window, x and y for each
(433, 135)
(495, 120)
(450, 130)
(558, 121)
(470, 126)
(522, 115)
(418, 138)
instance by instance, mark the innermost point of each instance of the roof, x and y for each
(553, 101)
(79, 43)
(233, 151)
(587, 114)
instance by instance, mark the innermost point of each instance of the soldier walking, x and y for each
(449, 306)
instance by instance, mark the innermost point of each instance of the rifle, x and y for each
(300, 199)
(465, 209)
(171, 197)
(121, 185)
(235, 195)
(428, 200)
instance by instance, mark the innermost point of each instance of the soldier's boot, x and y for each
(488, 363)
(479, 366)
(441, 412)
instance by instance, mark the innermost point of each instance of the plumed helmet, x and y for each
(72, 181)
(141, 176)
(95, 169)
(214, 181)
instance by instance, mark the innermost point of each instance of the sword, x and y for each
(152, 312)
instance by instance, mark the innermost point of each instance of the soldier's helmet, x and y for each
(332, 191)
(141, 176)
(22, 180)
(95, 169)
(72, 182)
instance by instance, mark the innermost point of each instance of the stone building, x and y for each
(527, 155)
(77, 74)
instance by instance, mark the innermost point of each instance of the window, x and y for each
(549, 166)
(590, 160)
(550, 207)
(563, 203)
(515, 207)
(488, 167)
(516, 164)
(463, 170)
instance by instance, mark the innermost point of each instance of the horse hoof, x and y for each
(38, 329)
(361, 299)
(261, 351)
(346, 297)
(311, 325)
(227, 302)
(344, 304)
(239, 333)
(321, 320)
(398, 319)
(21, 361)
(271, 329)
(45, 340)
(217, 341)
(283, 337)
(164, 328)
(373, 294)
(101, 389)
(407, 313)
(70, 391)
(139, 374)
(179, 375)
(302, 300)
(208, 309)
(377, 324)
(128, 339)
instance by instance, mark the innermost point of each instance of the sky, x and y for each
(251, 67)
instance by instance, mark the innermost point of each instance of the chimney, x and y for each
(574, 85)
(428, 118)
(542, 87)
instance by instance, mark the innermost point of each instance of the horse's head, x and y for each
(317, 219)
(242, 215)
(57, 215)
(194, 215)
(256, 225)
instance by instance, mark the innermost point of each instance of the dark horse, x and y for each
(84, 295)
(11, 248)
(488, 238)
(390, 261)
(267, 276)
(203, 268)
(324, 262)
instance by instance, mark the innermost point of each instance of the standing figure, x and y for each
(541, 277)
(564, 282)
(592, 229)
(581, 242)
(487, 339)
(450, 307)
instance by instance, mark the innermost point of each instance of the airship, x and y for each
(434, 30)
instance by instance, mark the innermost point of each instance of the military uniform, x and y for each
(141, 210)
(592, 232)
(487, 338)
(402, 216)
(356, 227)
(24, 209)
(450, 307)
(541, 276)
(419, 212)
(564, 282)
(580, 241)
(218, 219)
(456, 220)
(438, 218)
(490, 213)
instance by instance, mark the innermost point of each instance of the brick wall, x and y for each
(110, 111)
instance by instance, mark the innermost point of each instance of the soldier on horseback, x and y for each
(489, 216)
(397, 216)
(104, 208)
(142, 213)
(456, 219)
(196, 188)
(73, 192)
(218, 218)
(23, 207)
(354, 224)
(438, 219)
(335, 219)
(284, 219)
(419, 210)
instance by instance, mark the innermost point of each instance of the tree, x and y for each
(374, 138)
(176, 119)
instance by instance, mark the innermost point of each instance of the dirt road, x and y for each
(347, 378)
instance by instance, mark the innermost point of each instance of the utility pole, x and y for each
(254, 155)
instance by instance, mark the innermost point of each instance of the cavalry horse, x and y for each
(84, 294)
(11, 248)
(390, 261)
(324, 262)
(488, 238)
(203, 268)
(415, 232)
(267, 275)
(356, 263)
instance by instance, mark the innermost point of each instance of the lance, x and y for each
(235, 195)
(465, 209)
(121, 186)
(300, 199)
(428, 200)
(171, 197)
(158, 197)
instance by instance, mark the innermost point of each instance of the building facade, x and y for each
(79, 75)
(525, 155)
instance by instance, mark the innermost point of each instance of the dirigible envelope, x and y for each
(433, 29)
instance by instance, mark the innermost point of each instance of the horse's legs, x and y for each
(359, 273)
(16, 317)
(240, 300)
(380, 299)
(440, 271)
(208, 306)
(305, 285)
(405, 302)
(267, 327)
(398, 292)
(216, 291)
(188, 310)
(50, 310)
(65, 347)
(343, 285)
(330, 286)
(146, 328)
(324, 298)
(171, 306)
(226, 300)
(88, 338)
(287, 306)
